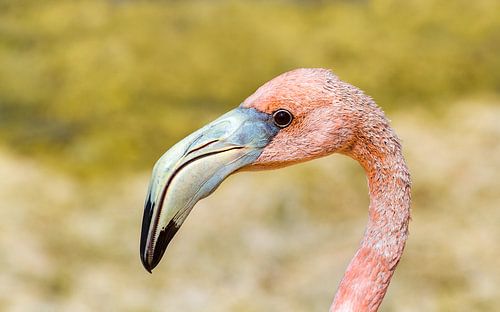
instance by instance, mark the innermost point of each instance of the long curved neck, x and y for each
(368, 275)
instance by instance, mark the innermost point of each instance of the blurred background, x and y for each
(93, 92)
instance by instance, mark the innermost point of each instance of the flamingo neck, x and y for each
(369, 273)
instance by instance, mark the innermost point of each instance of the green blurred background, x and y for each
(93, 92)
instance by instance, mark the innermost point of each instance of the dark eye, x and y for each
(282, 118)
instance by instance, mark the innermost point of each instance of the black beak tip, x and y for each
(146, 220)
(147, 266)
(150, 264)
(150, 270)
(160, 246)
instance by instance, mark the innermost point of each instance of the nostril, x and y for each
(202, 146)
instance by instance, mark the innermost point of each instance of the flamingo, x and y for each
(300, 115)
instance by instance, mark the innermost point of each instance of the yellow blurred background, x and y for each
(93, 92)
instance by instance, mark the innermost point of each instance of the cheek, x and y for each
(282, 151)
(310, 138)
(299, 144)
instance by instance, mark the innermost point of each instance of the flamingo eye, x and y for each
(282, 118)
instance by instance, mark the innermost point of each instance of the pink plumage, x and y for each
(334, 116)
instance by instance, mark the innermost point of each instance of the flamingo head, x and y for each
(300, 115)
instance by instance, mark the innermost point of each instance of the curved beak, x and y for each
(193, 168)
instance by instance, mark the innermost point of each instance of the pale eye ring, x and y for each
(282, 118)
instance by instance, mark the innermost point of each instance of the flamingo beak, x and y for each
(193, 168)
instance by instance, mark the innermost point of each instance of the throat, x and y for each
(369, 273)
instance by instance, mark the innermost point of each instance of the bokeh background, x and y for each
(93, 92)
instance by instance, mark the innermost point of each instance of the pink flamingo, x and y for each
(298, 116)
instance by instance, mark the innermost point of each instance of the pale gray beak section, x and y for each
(193, 168)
